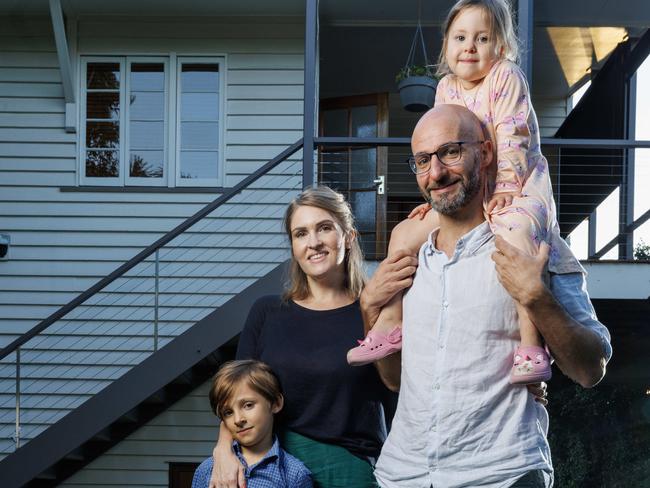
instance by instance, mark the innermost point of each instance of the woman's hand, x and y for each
(227, 471)
(501, 200)
(539, 392)
(420, 211)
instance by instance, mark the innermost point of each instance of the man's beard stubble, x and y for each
(468, 190)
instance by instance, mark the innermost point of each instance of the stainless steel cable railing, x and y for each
(146, 302)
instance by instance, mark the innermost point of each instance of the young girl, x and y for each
(478, 58)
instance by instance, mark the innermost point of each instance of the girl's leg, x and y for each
(385, 338)
(519, 227)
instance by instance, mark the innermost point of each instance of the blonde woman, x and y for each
(333, 418)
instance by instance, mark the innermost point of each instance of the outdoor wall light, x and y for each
(5, 240)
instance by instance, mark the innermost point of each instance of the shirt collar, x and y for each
(271, 455)
(467, 244)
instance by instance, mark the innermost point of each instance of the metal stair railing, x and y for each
(141, 306)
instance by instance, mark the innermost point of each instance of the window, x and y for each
(140, 127)
(181, 474)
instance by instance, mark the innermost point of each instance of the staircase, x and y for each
(583, 177)
(144, 336)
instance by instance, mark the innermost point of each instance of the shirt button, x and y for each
(445, 304)
(436, 386)
(441, 346)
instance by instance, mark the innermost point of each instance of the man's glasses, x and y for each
(448, 154)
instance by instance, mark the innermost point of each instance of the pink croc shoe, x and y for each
(375, 346)
(531, 364)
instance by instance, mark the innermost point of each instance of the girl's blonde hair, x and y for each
(499, 15)
(334, 203)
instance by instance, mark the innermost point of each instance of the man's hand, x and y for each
(501, 200)
(394, 274)
(520, 274)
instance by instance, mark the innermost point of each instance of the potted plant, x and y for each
(416, 82)
(417, 87)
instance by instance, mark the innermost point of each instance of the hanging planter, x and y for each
(417, 92)
(416, 82)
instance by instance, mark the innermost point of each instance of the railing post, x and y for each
(626, 193)
(17, 431)
(559, 188)
(155, 310)
(525, 28)
(591, 240)
(626, 207)
(309, 104)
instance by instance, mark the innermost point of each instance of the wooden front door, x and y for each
(358, 172)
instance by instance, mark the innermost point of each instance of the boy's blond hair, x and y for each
(258, 375)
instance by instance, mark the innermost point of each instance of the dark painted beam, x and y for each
(310, 91)
(525, 28)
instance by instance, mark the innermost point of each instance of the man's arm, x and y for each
(580, 351)
(393, 275)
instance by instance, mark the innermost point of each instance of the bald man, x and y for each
(459, 422)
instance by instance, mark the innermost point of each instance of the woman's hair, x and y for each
(334, 203)
(499, 16)
(258, 376)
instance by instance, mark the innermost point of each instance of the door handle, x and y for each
(380, 183)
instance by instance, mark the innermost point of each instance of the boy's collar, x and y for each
(272, 453)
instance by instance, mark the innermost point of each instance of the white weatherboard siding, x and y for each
(186, 432)
(62, 242)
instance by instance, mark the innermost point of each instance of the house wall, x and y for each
(65, 238)
(186, 432)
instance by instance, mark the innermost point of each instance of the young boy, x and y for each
(245, 395)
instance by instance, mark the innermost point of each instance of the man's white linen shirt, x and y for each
(459, 423)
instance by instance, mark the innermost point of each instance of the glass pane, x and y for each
(196, 77)
(363, 164)
(363, 205)
(199, 106)
(199, 164)
(335, 123)
(368, 245)
(102, 134)
(102, 164)
(147, 77)
(364, 121)
(200, 135)
(146, 164)
(103, 105)
(103, 75)
(147, 105)
(147, 135)
(334, 169)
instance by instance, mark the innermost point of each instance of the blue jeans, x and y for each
(533, 479)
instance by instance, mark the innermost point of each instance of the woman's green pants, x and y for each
(331, 466)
